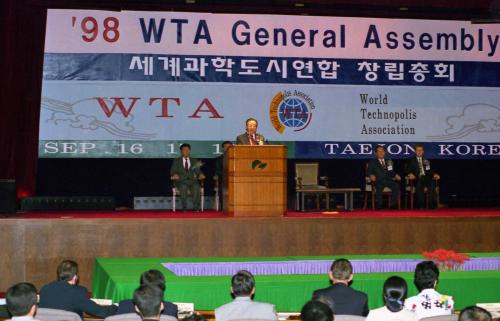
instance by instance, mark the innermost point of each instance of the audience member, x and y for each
(474, 314)
(315, 310)
(428, 303)
(66, 294)
(148, 302)
(22, 302)
(395, 290)
(152, 278)
(243, 307)
(347, 300)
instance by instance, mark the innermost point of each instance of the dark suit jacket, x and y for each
(375, 168)
(346, 299)
(178, 168)
(64, 296)
(219, 167)
(412, 167)
(244, 139)
(127, 306)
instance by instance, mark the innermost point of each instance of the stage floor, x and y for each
(34, 243)
(445, 212)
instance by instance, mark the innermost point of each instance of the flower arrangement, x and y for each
(447, 260)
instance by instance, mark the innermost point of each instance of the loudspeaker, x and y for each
(8, 196)
(50, 203)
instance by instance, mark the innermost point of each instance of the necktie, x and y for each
(186, 165)
(420, 167)
(383, 163)
(252, 140)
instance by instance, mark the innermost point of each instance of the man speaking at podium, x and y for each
(251, 137)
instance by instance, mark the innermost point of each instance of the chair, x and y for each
(347, 317)
(217, 191)
(134, 317)
(410, 191)
(45, 314)
(370, 191)
(451, 317)
(307, 180)
(176, 192)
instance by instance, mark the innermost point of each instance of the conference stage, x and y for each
(33, 244)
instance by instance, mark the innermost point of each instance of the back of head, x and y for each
(153, 278)
(66, 270)
(325, 299)
(243, 283)
(395, 290)
(21, 298)
(426, 275)
(474, 313)
(316, 311)
(341, 269)
(148, 300)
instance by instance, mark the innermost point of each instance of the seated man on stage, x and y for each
(186, 172)
(251, 137)
(419, 170)
(381, 171)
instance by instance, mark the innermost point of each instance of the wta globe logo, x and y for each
(291, 110)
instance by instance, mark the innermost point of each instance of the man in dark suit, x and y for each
(251, 137)
(186, 172)
(419, 170)
(152, 278)
(65, 294)
(346, 299)
(381, 171)
(219, 171)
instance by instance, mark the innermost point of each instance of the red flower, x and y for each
(446, 258)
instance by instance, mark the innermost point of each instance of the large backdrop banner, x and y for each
(138, 84)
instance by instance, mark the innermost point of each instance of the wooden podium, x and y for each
(255, 180)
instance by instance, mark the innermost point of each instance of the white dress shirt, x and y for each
(384, 314)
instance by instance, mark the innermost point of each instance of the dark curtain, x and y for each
(21, 37)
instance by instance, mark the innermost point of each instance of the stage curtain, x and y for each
(21, 35)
